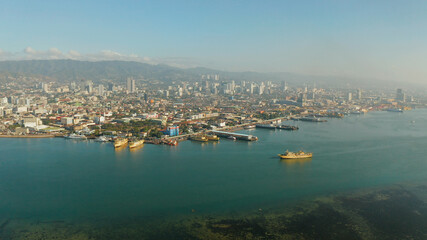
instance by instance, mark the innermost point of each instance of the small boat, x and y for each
(292, 155)
(136, 143)
(232, 138)
(249, 127)
(119, 142)
(102, 139)
(172, 143)
(76, 136)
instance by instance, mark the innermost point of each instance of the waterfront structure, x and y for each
(187, 107)
(172, 131)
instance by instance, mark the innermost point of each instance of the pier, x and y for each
(239, 136)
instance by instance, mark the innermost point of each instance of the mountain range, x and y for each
(118, 71)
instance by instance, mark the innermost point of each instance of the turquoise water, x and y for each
(71, 179)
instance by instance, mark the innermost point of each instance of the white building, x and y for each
(31, 122)
(67, 121)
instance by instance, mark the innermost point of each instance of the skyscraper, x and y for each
(131, 87)
(400, 95)
(101, 90)
(285, 86)
(302, 98)
(359, 94)
(349, 96)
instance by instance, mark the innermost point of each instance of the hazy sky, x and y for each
(371, 39)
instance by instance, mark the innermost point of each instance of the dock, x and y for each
(239, 136)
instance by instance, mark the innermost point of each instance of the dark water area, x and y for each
(366, 181)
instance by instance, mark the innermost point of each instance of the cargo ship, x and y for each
(120, 142)
(395, 110)
(288, 127)
(292, 155)
(136, 143)
(335, 115)
(312, 119)
(212, 138)
(199, 138)
(269, 126)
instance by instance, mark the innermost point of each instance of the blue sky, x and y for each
(370, 39)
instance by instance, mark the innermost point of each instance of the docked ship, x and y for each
(335, 115)
(292, 155)
(76, 136)
(269, 126)
(249, 127)
(102, 139)
(394, 110)
(288, 127)
(200, 138)
(136, 143)
(312, 119)
(172, 143)
(120, 142)
(212, 138)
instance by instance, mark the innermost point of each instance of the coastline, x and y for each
(27, 136)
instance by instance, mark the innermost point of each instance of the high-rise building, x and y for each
(73, 86)
(359, 94)
(45, 87)
(349, 96)
(251, 89)
(261, 88)
(302, 99)
(285, 86)
(400, 95)
(101, 90)
(131, 86)
(110, 86)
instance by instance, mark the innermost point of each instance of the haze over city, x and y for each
(383, 40)
(202, 120)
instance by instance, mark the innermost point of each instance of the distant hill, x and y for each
(118, 71)
(71, 70)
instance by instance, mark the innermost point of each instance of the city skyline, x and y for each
(359, 39)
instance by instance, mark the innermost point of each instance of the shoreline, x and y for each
(27, 136)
